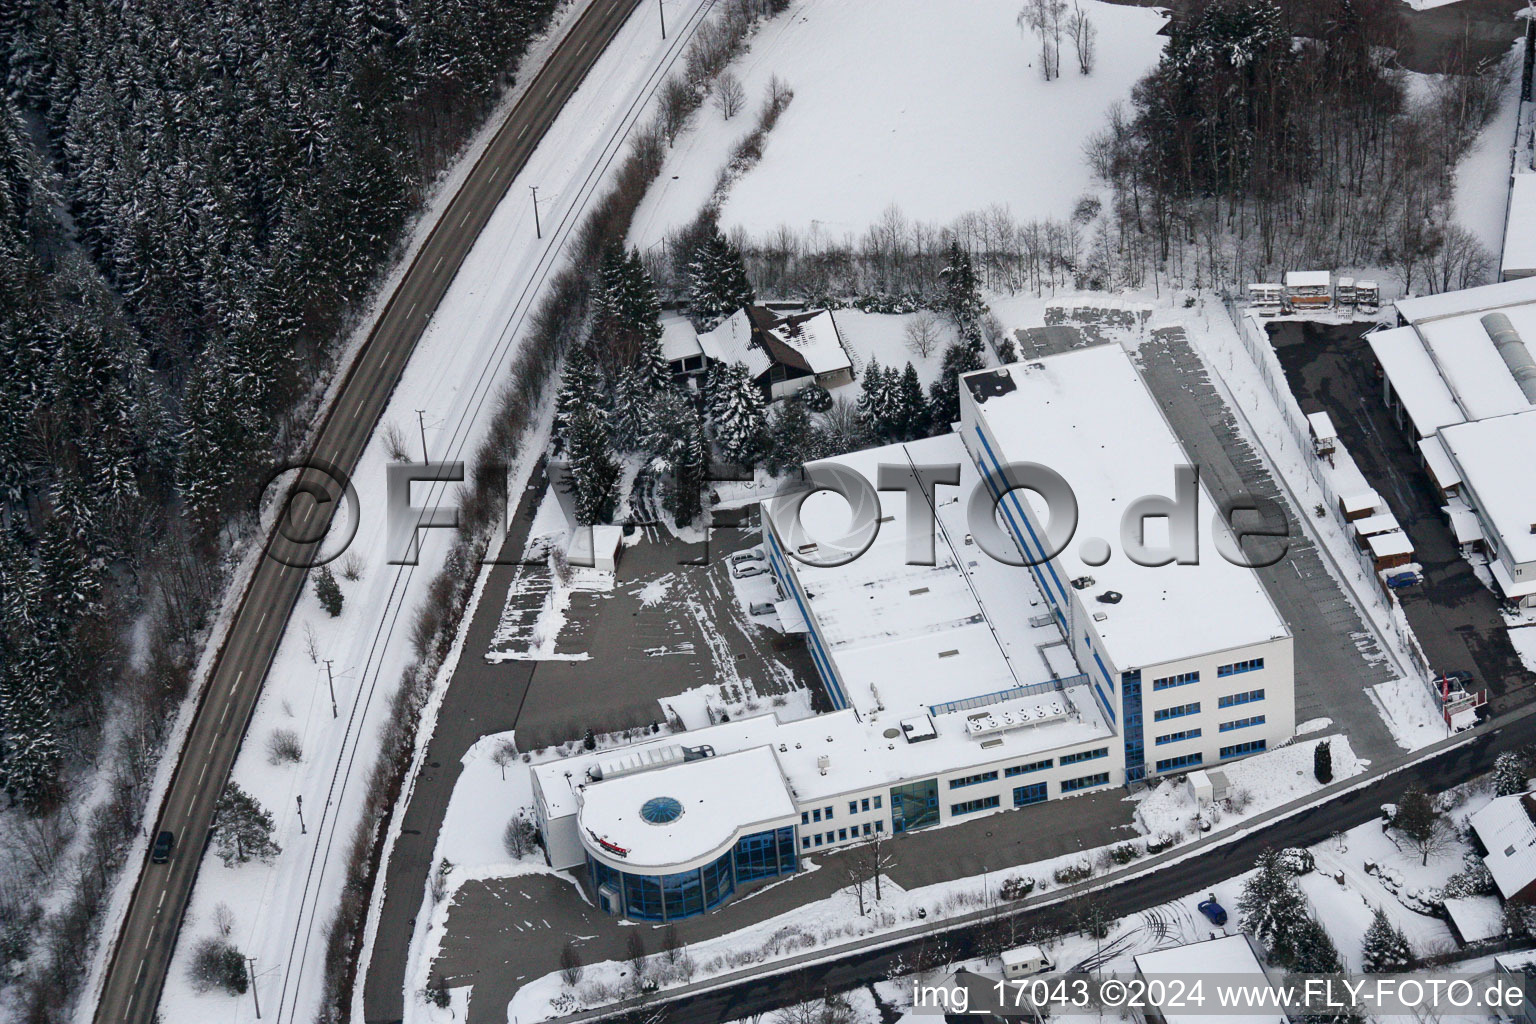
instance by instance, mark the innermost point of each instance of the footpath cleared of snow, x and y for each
(887, 98)
(280, 910)
(1482, 177)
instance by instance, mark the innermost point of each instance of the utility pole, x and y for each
(538, 231)
(421, 421)
(331, 683)
(302, 829)
(662, 13)
(250, 967)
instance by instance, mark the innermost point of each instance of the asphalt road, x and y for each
(761, 995)
(136, 975)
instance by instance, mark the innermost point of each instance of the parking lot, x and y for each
(1330, 367)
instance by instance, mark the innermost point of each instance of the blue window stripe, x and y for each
(1182, 761)
(819, 656)
(1239, 749)
(1182, 679)
(1072, 785)
(1242, 723)
(984, 803)
(1084, 755)
(1175, 737)
(1178, 711)
(1233, 700)
(971, 780)
(1024, 769)
(1238, 667)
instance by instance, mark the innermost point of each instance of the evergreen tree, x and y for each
(1313, 951)
(911, 411)
(1272, 906)
(581, 388)
(632, 398)
(1387, 950)
(717, 281)
(594, 475)
(626, 315)
(877, 399)
(242, 829)
(1322, 763)
(791, 437)
(1511, 774)
(328, 590)
(944, 393)
(736, 406)
(675, 442)
(962, 296)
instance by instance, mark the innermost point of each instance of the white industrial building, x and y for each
(961, 687)
(1460, 376)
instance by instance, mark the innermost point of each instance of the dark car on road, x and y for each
(165, 842)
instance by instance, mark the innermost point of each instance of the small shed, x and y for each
(1267, 299)
(1309, 289)
(1475, 918)
(1367, 296)
(1359, 505)
(596, 547)
(1370, 526)
(1325, 439)
(1344, 292)
(1464, 524)
(1390, 550)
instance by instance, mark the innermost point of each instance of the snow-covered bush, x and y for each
(1297, 860)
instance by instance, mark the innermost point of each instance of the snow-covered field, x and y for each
(937, 108)
(280, 909)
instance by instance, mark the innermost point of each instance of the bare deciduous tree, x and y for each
(503, 754)
(1084, 38)
(394, 443)
(729, 95)
(923, 333)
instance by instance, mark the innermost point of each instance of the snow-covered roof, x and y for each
(814, 337)
(1495, 457)
(1520, 228)
(706, 813)
(759, 338)
(1477, 918)
(883, 620)
(1088, 415)
(1505, 827)
(678, 339)
(731, 341)
(1360, 501)
(1507, 584)
(1469, 300)
(1414, 378)
(1384, 522)
(1230, 954)
(1308, 279)
(1440, 465)
(1464, 523)
(1477, 375)
(1322, 426)
(1387, 545)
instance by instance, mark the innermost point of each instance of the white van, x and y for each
(1025, 962)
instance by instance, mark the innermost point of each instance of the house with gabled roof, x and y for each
(783, 352)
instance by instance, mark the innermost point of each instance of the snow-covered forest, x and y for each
(196, 202)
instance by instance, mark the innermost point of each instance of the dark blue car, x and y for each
(1213, 911)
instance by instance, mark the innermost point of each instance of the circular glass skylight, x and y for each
(659, 810)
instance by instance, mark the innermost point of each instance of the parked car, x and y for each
(165, 842)
(1213, 911)
(746, 570)
(1404, 579)
(761, 608)
(749, 555)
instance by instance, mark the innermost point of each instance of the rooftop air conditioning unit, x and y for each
(823, 763)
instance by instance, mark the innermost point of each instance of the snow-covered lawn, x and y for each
(1264, 781)
(937, 108)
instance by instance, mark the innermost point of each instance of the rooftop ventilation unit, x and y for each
(1514, 353)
